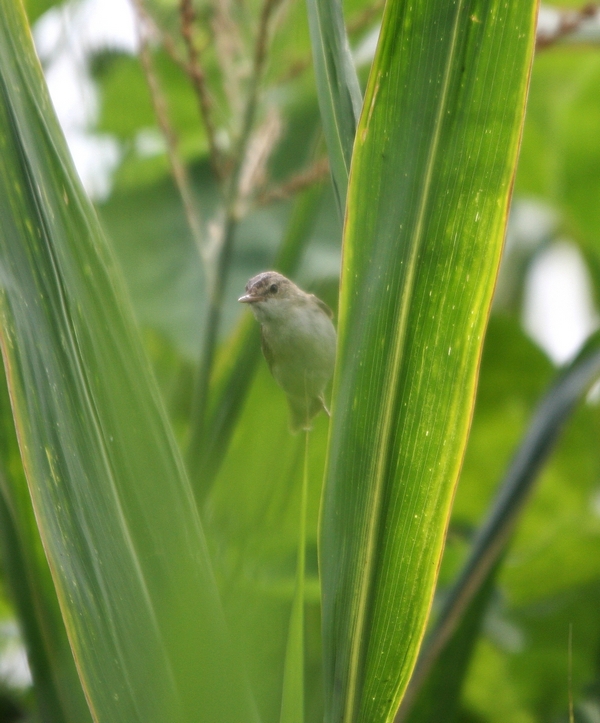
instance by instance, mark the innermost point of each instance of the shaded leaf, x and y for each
(254, 542)
(58, 692)
(337, 88)
(116, 513)
(492, 538)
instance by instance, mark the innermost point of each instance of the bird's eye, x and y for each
(273, 288)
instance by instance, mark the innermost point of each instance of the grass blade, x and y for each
(115, 511)
(433, 163)
(338, 90)
(494, 534)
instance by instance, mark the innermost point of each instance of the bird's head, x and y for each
(270, 293)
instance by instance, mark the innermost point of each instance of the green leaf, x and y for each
(36, 8)
(115, 511)
(514, 376)
(433, 163)
(58, 692)
(551, 573)
(548, 421)
(337, 88)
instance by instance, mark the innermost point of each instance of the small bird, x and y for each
(298, 341)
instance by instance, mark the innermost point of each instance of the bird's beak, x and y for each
(249, 299)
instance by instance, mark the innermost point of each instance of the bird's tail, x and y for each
(303, 410)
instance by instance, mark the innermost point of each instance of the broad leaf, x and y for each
(116, 513)
(433, 163)
(439, 698)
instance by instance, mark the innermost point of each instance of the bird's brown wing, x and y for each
(266, 349)
(323, 306)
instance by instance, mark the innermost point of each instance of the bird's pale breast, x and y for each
(303, 342)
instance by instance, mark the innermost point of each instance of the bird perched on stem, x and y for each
(298, 341)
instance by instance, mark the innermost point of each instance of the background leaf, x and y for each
(254, 543)
(337, 88)
(551, 571)
(479, 571)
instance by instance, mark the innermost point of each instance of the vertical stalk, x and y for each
(570, 674)
(292, 697)
(224, 254)
(198, 78)
(178, 169)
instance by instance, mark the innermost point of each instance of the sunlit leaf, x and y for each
(434, 159)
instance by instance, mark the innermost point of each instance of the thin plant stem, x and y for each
(298, 182)
(165, 38)
(178, 169)
(225, 250)
(292, 698)
(570, 674)
(197, 76)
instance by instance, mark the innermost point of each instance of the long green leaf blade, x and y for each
(338, 90)
(116, 513)
(434, 159)
(58, 693)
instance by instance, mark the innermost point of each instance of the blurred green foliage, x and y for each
(551, 575)
(560, 156)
